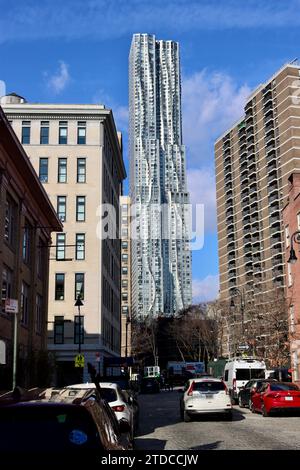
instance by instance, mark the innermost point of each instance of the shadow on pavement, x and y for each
(236, 416)
(211, 446)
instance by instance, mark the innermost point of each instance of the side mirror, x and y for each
(124, 426)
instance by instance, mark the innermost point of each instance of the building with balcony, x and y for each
(253, 161)
(77, 154)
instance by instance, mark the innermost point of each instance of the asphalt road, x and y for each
(162, 429)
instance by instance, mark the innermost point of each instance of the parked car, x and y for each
(118, 402)
(36, 427)
(150, 385)
(238, 371)
(273, 397)
(246, 392)
(205, 396)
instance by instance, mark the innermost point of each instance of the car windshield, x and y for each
(108, 394)
(46, 429)
(208, 386)
(277, 387)
(247, 374)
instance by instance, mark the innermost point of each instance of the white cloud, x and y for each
(205, 290)
(201, 185)
(120, 112)
(58, 82)
(212, 102)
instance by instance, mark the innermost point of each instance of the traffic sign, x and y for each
(79, 360)
(11, 306)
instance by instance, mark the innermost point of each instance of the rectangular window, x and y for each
(61, 207)
(81, 170)
(63, 133)
(124, 245)
(62, 170)
(290, 277)
(25, 132)
(124, 270)
(39, 314)
(43, 170)
(59, 286)
(287, 236)
(24, 303)
(79, 329)
(6, 291)
(44, 135)
(80, 208)
(26, 243)
(10, 219)
(79, 286)
(80, 246)
(125, 310)
(124, 256)
(59, 332)
(81, 133)
(60, 246)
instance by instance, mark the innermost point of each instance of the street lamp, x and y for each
(79, 304)
(294, 238)
(241, 293)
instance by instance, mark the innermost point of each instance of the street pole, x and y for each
(14, 381)
(79, 339)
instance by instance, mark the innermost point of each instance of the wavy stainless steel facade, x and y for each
(161, 257)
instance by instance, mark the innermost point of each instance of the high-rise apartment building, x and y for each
(253, 162)
(161, 258)
(125, 276)
(76, 151)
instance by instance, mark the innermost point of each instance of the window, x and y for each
(124, 297)
(124, 208)
(6, 291)
(63, 133)
(61, 207)
(79, 329)
(38, 314)
(287, 236)
(43, 170)
(124, 270)
(124, 256)
(81, 170)
(80, 246)
(24, 303)
(59, 332)
(60, 246)
(292, 319)
(80, 208)
(44, 135)
(125, 310)
(62, 170)
(9, 224)
(81, 133)
(26, 243)
(25, 132)
(79, 286)
(59, 286)
(124, 245)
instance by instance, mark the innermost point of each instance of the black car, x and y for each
(150, 385)
(244, 396)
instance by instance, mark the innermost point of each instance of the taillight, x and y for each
(119, 408)
(190, 390)
(234, 383)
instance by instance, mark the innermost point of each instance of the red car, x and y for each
(276, 396)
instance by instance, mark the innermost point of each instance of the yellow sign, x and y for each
(79, 360)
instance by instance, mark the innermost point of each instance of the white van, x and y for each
(239, 370)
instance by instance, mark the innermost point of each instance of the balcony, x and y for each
(231, 257)
(249, 118)
(276, 250)
(272, 165)
(230, 220)
(232, 274)
(255, 239)
(226, 146)
(230, 230)
(268, 100)
(253, 198)
(253, 189)
(274, 197)
(274, 219)
(267, 89)
(231, 252)
(249, 106)
(247, 249)
(227, 169)
(228, 179)
(256, 269)
(270, 128)
(269, 138)
(246, 211)
(247, 230)
(229, 212)
(268, 108)
(231, 283)
(272, 177)
(275, 229)
(226, 139)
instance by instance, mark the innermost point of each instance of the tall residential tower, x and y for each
(161, 258)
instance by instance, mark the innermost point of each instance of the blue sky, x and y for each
(77, 51)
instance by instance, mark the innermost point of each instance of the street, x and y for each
(162, 429)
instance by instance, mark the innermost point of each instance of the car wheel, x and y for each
(186, 417)
(264, 411)
(241, 404)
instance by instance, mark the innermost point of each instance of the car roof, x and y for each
(90, 385)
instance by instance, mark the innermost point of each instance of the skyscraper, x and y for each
(161, 258)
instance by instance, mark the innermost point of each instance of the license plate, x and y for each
(288, 398)
(209, 396)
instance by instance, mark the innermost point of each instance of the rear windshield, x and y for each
(47, 428)
(276, 387)
(109, 394)
(208, 386)
(247, 374)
